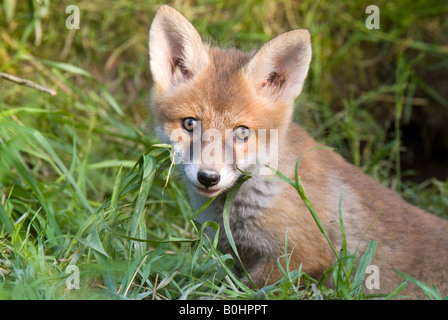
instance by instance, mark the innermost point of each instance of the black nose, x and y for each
(208, 178)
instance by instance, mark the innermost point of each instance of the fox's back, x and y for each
(409, 239)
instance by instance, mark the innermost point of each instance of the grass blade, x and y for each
(226, 222)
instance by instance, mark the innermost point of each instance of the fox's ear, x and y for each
(278, 70)
(175, 48)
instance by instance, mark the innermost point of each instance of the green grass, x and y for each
(82, 184)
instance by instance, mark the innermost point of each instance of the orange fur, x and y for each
(226, 89)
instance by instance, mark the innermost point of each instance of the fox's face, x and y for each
(223, 110)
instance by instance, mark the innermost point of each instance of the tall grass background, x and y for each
(82, 184)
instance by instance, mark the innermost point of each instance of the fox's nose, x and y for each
(208, 178)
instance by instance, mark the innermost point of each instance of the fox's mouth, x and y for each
(206, 192)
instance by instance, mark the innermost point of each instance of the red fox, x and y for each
(222, 109)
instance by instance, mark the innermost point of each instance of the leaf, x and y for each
(363, 264)
(202, 208)
(93, 241)
(147, 165)
(226, 222)
(169, 240)
(431, 292)
(68, 68)
(9, 7)
(394, 293)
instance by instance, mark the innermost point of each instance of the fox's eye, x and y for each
(242, 133)
(188, 124)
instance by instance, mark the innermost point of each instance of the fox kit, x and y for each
(222, 109)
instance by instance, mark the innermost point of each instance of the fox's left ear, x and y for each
(278, 70)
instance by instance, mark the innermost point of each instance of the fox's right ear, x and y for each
(176, 49)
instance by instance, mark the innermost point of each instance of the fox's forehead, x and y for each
(227, 61)
(227, 98)
(222, 83)
(220, 97)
